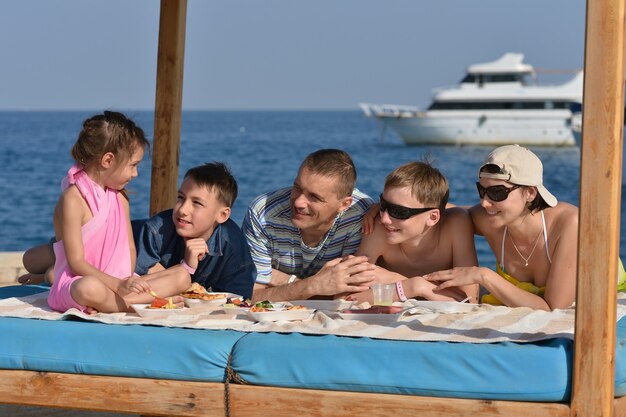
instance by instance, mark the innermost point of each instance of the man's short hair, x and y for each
(428, 185)
(333, 163)
(216, 176)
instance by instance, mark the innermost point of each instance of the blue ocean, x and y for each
(262, 148)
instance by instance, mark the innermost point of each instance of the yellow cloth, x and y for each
(531, 288)
(621, 277)
(526, 286)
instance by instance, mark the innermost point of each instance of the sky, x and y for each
(273, 54)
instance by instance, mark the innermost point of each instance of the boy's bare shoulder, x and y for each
(456, 215)
(373, 244)
(378, 235)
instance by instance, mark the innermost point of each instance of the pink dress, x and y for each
(105, 239)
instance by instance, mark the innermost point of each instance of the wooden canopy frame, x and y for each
(598, 251)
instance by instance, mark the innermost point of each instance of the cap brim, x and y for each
(547, 196)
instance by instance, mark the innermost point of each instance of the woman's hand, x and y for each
(456, 277)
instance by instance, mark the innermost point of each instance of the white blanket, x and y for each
(431, 321)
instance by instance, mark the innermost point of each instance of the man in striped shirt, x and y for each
(302, 237)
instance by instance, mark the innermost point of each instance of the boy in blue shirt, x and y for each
(196, 237)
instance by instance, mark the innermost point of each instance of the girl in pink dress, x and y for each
(94, 248)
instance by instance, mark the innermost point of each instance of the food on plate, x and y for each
(193, 291)
(264, 306)
(237, 302)
(296, 308)
(375, 310)
(198, 292)
(163, 303)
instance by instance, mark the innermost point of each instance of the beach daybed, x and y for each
(194, 372)
(585, 381)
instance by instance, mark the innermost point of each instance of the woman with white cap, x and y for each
(533, 237)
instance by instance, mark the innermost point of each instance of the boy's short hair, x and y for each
(333, 163)
(428, 185)
(216, 176)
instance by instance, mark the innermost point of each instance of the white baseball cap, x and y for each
(518, 166)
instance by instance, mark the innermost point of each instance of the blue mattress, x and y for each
(76, 346)
(538, 371)
(499, 371)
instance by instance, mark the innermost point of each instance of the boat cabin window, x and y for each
(502, 105)
(495, 78)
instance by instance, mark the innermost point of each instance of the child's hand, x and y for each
(369, 218)
(134, 284)
(195, 251)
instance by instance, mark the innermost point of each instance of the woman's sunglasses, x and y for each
(401, 212)
(495, 193)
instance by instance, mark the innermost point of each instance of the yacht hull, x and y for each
(472, 128)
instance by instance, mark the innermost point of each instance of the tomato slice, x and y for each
(158, 303)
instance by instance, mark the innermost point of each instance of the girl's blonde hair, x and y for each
(108, 132)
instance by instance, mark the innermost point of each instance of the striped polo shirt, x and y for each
(275, 243)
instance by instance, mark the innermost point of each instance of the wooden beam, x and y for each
(600, 193)
(251, 401)
(168, 106)
(118, 394)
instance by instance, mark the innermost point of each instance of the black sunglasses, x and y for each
(401, 212)
(495, 193)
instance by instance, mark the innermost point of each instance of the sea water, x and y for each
(262, 148)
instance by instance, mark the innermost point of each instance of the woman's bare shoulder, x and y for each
(564, 215)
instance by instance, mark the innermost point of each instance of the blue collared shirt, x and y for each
(228, 267)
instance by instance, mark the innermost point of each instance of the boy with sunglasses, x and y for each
(415, 235)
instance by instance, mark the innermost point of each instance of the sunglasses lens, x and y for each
(496, 193)
(481, 190)
(397, 212)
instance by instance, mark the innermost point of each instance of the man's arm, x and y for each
(341, 275)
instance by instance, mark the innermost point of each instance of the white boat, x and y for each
(496, 103)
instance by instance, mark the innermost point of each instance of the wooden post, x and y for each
(168, 107)
(600, 193)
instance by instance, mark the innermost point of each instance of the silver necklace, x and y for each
(520, 253)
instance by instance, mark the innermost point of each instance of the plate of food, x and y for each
(278, 311)
(237, 304)
(160, 307)
(197, 295)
